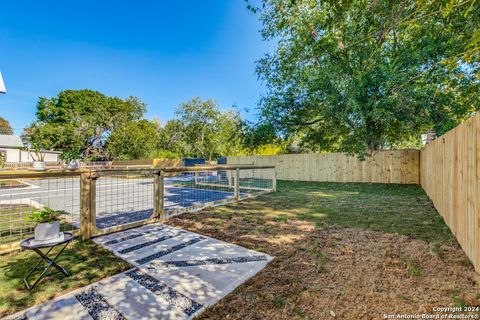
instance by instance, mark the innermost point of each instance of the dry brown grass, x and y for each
(327, 271)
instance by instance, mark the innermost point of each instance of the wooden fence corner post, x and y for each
(158, 195)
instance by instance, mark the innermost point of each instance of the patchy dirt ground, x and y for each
(328, 271)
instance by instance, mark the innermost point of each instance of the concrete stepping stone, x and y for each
(121, 236)
(144, 239)
(210, 248)
(64, 308)
(135, 301)
(176, 247)
(151, 248)
(205, 283)
(175, 298)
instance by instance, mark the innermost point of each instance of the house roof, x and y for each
(10, 141)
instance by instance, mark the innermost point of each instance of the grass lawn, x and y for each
(345, 251)
(85, 261)
(13, 223)
(14, 226)
(12, 184)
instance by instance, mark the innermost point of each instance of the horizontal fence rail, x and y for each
(154, 163)
(103, 200)
(29, 164)
(56, 165)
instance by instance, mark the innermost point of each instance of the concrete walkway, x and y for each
(177, 274)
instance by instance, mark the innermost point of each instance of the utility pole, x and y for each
(2, 85)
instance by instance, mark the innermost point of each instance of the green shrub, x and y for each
(46, 215)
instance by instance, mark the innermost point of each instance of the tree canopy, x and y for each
(201, 129)
(89, 125)
(360, 75)
(134, 140)
(80, 121)
(348, 75)
(5, 127)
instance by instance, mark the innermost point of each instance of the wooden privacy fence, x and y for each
(100, 201)
(450, 175)
(395, 166)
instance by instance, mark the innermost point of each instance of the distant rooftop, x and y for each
(10, 141)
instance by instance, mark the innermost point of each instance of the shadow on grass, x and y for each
(402, 209)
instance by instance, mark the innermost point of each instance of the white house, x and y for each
(11, 148)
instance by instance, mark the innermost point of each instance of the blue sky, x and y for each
(163, 52)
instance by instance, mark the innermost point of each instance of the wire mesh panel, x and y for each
(123, 197)
(20, 196)
(194, 190)
(254, 181)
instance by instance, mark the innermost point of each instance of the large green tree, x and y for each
(80, 121)
(201, 129)
(134, 140)
(5, 127)
(356, 75)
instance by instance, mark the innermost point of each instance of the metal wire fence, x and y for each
(20, 197)
(95, 201)
(194, 190)
(123, 197)
(254, 181)
(187, 191)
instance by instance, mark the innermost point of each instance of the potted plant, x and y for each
(35, 143)
(70, 160)
(38, 158)
(48, 224)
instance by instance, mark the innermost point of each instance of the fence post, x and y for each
(87, 204)
(236, 190)
(158, 189)
(230, 178)
(93, 203)
(274, 180)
